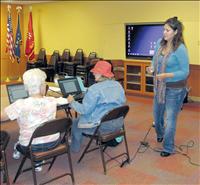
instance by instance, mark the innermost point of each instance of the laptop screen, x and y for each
(69, 86)
(16, 91)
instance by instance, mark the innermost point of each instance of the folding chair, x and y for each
(84, 69)
(3, 162)
(70, 67)
(61, 125)
(41, 60)
(66, 57)
(101, 138)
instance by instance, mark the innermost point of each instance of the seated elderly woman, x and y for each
(32, 112)
(100, 98)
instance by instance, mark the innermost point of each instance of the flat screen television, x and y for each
(141, 39)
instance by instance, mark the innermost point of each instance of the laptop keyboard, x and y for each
(78, 96)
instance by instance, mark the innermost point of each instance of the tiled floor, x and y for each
(147, 167)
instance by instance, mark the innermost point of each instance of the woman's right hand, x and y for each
(70, 98)
(150, 69)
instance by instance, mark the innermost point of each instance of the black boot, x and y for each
(159, 140)
(164, 154)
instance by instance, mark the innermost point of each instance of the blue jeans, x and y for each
(77, 137)
(39, 147)
(165, 116)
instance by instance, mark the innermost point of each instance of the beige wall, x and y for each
(99, 26)
(95, 26)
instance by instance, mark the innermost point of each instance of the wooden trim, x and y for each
(194, 67)
(194, 80)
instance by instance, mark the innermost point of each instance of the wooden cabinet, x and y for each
(136, 80)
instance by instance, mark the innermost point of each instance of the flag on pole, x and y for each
(9, 38)
(18, 40)
(29, 51)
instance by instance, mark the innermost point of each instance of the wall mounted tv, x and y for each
(141, 39)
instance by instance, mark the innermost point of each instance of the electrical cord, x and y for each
(180, 151)
(144, 145)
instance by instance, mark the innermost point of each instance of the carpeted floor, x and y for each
(146, 167)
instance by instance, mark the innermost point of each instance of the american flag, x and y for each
(10, 40)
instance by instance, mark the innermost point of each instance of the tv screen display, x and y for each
(141, 39)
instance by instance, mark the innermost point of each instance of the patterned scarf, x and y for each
(160, 85)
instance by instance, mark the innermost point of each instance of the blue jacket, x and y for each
(178, 63)
(99, 99)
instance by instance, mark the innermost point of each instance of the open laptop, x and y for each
(73, 86)
(16, 91)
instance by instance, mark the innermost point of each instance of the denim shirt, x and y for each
(99, 99)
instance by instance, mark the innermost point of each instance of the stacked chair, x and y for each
(84, 70)
(66, 65)
(42, 58)
(55, 58)
(70, 67)
(40, 62)
(66, 57)
(52, 67)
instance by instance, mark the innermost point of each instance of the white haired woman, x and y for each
(32, 112)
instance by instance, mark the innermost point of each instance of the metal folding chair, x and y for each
(101, 139)
(62, 126)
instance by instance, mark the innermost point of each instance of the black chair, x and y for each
(52, 68)
(70, 67)
(66, 57)
(83, 70)
(41, 60)
(55, 58)
(102, 139)
(3, 162)
(63, 126)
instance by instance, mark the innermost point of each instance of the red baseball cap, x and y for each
(104, 68)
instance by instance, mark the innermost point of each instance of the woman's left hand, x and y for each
(164, 75)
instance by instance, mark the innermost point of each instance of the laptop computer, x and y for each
(73, 86)
(16, 91)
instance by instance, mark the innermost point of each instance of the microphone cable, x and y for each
(143, 145)
(179, 150)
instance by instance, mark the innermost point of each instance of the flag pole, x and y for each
(19, 8)
(7, 78)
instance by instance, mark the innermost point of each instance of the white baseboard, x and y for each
(194, 98)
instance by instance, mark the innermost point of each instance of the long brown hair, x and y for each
(175, 24)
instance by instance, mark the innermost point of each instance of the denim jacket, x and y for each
(99, 99)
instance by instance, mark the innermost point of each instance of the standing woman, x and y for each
(170, 65)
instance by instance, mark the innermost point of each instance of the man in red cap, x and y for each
(100, 98)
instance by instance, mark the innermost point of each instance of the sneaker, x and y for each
(38, 169)
(16, 154)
